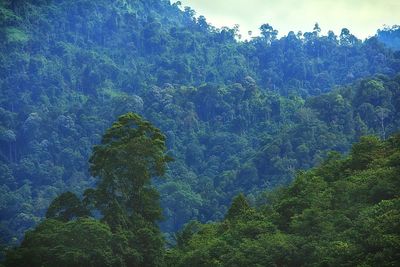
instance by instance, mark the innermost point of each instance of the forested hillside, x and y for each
(344, 212)
(390, 36)
(239, 116)
(114, 224)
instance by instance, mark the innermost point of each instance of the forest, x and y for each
(273, 151)
(345, 212)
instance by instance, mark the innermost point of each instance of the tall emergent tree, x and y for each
(131, 152)
(115, 223)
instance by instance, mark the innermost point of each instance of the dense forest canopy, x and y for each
(390, 36)
(126, 205)
(239, 116)
(345, 212)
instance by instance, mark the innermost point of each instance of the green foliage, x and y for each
(131, 153)
(378, 232)
(390, 36)
(329, 216)
(238, 207)
(240, 116)
(66, 207)
(15, 35)
(83, 242)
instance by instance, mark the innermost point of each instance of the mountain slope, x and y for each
(237, 115)
(344, 212)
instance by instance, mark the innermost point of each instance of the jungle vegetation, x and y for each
(239, 117)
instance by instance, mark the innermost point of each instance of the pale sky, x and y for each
(361, 17)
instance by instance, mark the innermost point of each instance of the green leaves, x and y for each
(238, 207)
(66, 207)
(83, 242)
(131, 152)
(16, 36)
(364, 152)
(378, 229)
(67, 68)
(343, 213)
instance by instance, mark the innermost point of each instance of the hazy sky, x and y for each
(361, 17)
